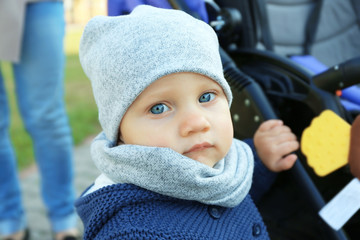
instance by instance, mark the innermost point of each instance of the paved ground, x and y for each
(85, 173)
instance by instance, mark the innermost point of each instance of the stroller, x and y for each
(279, 86)
(267, 84)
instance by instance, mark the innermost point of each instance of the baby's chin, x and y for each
(209, 161)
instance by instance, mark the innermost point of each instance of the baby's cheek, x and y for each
(227, 132)
(227, 124)
(159, 140)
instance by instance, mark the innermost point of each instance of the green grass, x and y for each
(81, 108)
(80, 104)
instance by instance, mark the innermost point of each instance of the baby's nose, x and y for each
(193, 123)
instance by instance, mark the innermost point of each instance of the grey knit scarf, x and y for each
(167, 172)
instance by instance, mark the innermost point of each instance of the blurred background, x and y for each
(79, 101)
(78, 12)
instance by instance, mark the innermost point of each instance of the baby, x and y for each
(171, 167)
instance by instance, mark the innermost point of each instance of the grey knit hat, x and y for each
(123, 55)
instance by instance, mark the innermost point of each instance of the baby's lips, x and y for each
(198, 147)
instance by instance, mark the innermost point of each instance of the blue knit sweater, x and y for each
(125, 211)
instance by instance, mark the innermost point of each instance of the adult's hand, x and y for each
(354, 153)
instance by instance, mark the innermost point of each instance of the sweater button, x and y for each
(256, 230)
(214, 212)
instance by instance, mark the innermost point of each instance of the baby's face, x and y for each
(186, 112)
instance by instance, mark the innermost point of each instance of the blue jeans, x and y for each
(39, 90)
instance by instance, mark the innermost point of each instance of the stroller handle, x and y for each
(339, 76)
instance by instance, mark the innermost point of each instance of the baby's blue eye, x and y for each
(207, 97)
(159, 108)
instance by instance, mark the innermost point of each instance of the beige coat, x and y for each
(12, 15)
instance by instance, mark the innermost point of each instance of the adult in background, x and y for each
(31, 38)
